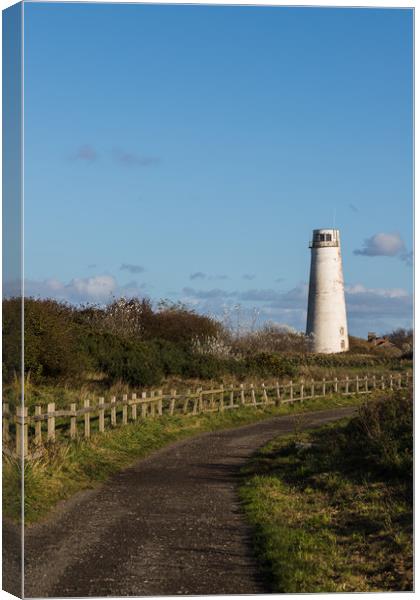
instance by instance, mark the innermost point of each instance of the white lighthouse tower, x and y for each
(327, 320)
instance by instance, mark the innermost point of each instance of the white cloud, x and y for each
(382, 309)
(376, 309)
(385, 244)
(99, 288)
(358, 288)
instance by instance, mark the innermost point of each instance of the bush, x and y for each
(267, 364)
(52, 341)
(383, 433)
(136, 363)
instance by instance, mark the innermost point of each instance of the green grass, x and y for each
(330, 514)
(96, 384)
(63, 469)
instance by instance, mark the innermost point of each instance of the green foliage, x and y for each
(136, 363)
(133, 342)
(52, 348)
(62, 469)
(266, 364)
(381, 436)
(332, 509)
(12, 339)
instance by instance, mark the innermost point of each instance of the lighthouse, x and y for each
(327, 320)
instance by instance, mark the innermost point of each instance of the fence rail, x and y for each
(23, 433)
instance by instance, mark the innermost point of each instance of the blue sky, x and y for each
(187, 152)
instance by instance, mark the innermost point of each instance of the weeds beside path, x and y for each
(170, 524)
(63, 470)
(331, 510)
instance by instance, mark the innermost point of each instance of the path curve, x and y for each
(171, 524)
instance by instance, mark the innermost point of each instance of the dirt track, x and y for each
(171, 524)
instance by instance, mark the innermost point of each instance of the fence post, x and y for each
(232, 397)
(391, 382)
(113, 412)
(133, 407)
(186, 402)
(357, 384)
(302, 389)
(124, 410)
(374, 382)
(242, 394)
(173, 400)
(254, 402)
(143, 406)
(101, 413)
(200, 400)
(212, 400)
(347, 385)
(222, 397)
(38, 424)
(6, 422)
(51, 421)
(407, 379)
(366, 384)
(324, 389)
(152, 404)
(278, 393)
(73, 421)
(160, 404)
(312, 388)
(87, 418)
(264, 391)
(382, 382)
(195, 404)
(336, 385)
(22, 431)
(291, 390)
(399, 381)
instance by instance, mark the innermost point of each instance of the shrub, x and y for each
(136, 363)
(52, 341)
(383, 433)
(267, 364)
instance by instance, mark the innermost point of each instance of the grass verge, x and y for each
(331, 509)
(64, 469)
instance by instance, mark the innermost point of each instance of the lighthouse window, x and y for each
(328, 237)
(342, 344)
(321, 237)
(342, 330)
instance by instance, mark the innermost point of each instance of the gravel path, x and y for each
(169, 525)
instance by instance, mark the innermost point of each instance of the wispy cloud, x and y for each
(85, 153)
(407, 257)
(130, 159)
(132, 268)
(248, 276)
(201, 275)
(208, 294)
(197, 275)
(353, 208)
(368, 308)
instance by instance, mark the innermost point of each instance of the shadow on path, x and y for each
(169, 525)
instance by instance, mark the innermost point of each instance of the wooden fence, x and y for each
(23, 433)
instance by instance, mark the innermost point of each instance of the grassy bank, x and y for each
(63, 470)
(96, 385)
(332, 509)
